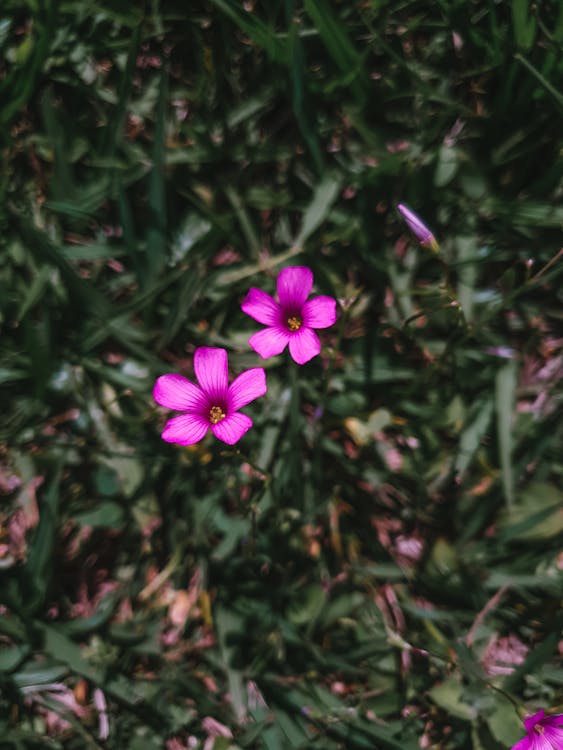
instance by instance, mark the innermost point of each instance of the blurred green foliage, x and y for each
(379, 560)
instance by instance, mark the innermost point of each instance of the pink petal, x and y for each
(554, 736)
(416, 225)
(232, 428)
(186, 429)
(248, 386)
(269, 341)
(212, 371)
(531, 721)
(319, 312)
(101, 707)
(261, 307)
(539, 742)
(524, 744)
(304, 345)
(176, 392)
(294, 286)
(553, 721)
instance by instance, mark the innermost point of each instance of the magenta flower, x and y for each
(211, 405)
(292, 319)
(544, 733)
(418, 227)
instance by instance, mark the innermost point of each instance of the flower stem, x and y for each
(229, 454)
(317, 456)
(517, 707)
(295, 448)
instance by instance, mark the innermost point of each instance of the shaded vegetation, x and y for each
(377, 564)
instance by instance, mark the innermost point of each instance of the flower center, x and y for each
(216, 414)
(294, 322)
(538, 729)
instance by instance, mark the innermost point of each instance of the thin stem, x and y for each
(546, 267)
(230, 454)
(334, 353)
(294, 432)
(266, 477)
(517, 707)
(324, 395)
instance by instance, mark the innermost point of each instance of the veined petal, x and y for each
(269, 341)
(246, 387)
(524, 744)
(232, 428)
(539, 742)
(319, 312)
(177, 392)
(554, 736)
(261, 307)
(294, 285)
(186, 429)
(212, 371)
(304, 345)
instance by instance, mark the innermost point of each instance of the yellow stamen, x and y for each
(216, 414)
(294, 323)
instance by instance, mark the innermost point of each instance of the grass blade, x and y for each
(505, 397)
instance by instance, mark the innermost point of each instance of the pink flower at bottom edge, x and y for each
(543, 733)
(211, 405)
(292, 319)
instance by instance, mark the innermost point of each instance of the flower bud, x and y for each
(418, 228)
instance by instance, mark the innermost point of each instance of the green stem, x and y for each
(230, 454)
(295, 441)
(517, 707)
(317, 456)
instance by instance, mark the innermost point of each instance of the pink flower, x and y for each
(418, 227)
(544, 733)
(292, 319)
(503, 654)
(211, 405)
(102, 709)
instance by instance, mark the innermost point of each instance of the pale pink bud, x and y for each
(418, 227)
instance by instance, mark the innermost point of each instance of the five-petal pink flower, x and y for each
(293, 319)
(211, 405)
(543, 733)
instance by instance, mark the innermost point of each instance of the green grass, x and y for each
(157, 163)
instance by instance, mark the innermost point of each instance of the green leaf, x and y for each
(106, 515)
(471, 437)
(34, 292)
(324, 196)
(228, 622)
(256, 29)
(555, 93)
(39, 565)
(12, 657)
(449, 696)
(505, 397)
(504, 723)
(537, 514)
(338, 45)
(537, 657)
(306, 606)
(156, 233)
(467, 274)
(304, 113)
(39, 672)
(524, 24)
(446, 167)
